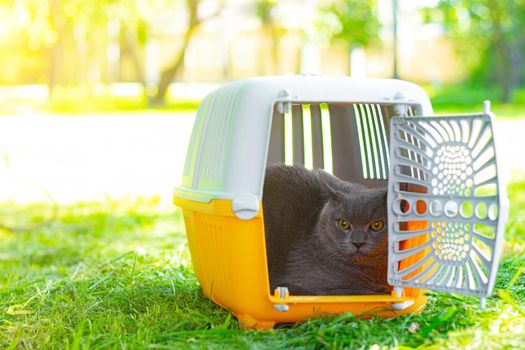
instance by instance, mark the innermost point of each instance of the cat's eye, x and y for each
(343, 224)
(377, 225)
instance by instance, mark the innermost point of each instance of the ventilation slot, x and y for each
(348, 140)
(302, 136)
(373, 143)
(205, 164)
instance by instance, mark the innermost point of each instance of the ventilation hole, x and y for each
(479, 266)
(486, 174)
(465, 130)
(317, 139)
(288, 139)
(483, 158)
(442, 132)
(368, 142)
(360, 136)
(381, 140)
(484, 248)
(486, 190)
(373, 140)
(493, 211)
(457, 131)
(421, 207)
(436, 207)
(485, 230)
(384, 133)
(297, 134)
(481, 210)
(475, 130)
(307, 137)
(414, 225)
(401, 206)
(483, 140)
(451, 209)
(327, 138)
(466, 210)
(432, 132)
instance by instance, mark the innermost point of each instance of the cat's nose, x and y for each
(358, 244)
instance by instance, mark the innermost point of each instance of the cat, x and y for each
(324, 236)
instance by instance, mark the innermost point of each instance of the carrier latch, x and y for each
(245, 206)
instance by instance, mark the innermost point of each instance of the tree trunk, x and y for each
(503, 61)
(55, 50)
(53, 58)
(129, 48)
(167, 75)
(276, 46)
(299, 59)
(516, 54)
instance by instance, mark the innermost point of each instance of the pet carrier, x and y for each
(446, 205)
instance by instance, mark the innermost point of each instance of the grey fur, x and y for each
(307, 251)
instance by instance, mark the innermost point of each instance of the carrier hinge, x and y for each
(283, 106)
(398, 291)
(401, 106)
(281, 293)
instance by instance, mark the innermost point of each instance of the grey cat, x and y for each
(324, 236)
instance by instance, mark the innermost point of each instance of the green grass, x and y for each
(117, 274)
(93, 105)
(467, 99)
(78, 101)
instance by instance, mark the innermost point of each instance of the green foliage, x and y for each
(117, 274)
(264, 11)
(349, 22)
(488, 38)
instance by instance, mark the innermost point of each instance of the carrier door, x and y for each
(447, 207)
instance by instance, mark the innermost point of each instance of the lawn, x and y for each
(447, 99)
(468, 99)
(117, 274)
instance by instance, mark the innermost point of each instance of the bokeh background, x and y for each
(97, 102)
(98, 96)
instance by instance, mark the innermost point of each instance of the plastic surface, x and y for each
(235, 136)
(245, 206)
(229, 142)
(229, 259)
(444, 176)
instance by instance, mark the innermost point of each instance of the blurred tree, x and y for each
(75, 31)
(195, 19)
(265, 10)
(489, 37)
(351, 23)
(62, 26)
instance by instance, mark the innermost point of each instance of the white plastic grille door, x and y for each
(446, 207)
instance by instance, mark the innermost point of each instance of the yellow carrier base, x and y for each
(229, 258)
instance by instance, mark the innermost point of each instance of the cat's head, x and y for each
(353, 221)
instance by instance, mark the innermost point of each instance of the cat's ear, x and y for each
(380, 193)
(328, 183)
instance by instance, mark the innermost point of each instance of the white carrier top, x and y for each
(228, 148)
